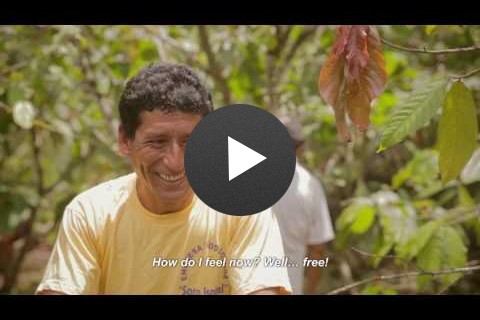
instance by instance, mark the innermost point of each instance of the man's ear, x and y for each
(123, 142)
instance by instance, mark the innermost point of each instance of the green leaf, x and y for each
(457, 131)
(430, 29)
(377, 289)
(420, 172)
(464, 197)
(357, 217)
(419, 108)
(386, 246)
(416, 243)
(398, 222)
(347, 217)
(363, 220)
(148, 50)
(444, 250)
(16, 93)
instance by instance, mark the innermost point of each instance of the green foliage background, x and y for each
(391, 203)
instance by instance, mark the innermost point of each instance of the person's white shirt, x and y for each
(304, 219)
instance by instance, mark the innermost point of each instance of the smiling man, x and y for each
(146, 232)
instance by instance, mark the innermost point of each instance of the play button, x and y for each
(240, 160)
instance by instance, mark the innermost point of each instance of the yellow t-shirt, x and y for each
(108, 243)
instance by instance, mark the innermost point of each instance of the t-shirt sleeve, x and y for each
(73, 265)
(257, 238)
(320, 226)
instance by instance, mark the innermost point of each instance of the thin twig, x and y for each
(18, 65)
(425, 50)
(403, 275)
(466, 75)
(387, 256)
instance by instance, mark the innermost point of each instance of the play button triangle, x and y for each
(241, 158)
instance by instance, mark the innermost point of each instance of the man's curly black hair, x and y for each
(166, 87)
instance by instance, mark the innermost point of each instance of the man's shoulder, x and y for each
(104, 195)
(306, 179)
(109, 187)
(303, 173)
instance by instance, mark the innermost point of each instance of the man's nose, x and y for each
(174, 158)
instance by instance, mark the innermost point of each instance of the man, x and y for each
(304, 219)
(139, 234)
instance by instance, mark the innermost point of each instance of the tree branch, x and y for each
(306, 33)
(403, 275)
(36, 161)
(466, 75)
(388, 256)
(14, 67)
(213, 65)
(14, 267)
(425, 50)
(281, 34)
(27, 226)
(273, 56)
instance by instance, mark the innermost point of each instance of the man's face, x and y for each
(157, 152)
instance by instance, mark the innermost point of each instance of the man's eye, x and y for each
(157, 142)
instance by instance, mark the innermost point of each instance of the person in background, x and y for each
(304, 219)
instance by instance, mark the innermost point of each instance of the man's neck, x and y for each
(154, 205)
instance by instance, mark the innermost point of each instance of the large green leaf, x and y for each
(457, 131)
(444, 250)
(363, 220)
(419, 108)
(399, 223)
(420, 172)
(357, 218)
(418, 241)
